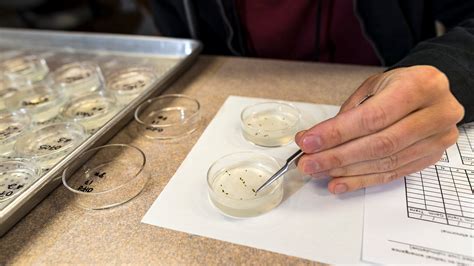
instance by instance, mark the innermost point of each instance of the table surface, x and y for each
(57, 231)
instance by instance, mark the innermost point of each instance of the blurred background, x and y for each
(114, 16)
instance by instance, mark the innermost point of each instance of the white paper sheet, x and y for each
(427, 217)
(310, 223)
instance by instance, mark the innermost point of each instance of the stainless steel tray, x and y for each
(170, 56)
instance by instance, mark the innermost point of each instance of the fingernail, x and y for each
(340, 188)
(312, 143)
(299, 135)
(310, 167)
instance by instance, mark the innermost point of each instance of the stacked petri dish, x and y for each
(91, 110)
(127, 83)
(47, 145)
(12, 125)
(16, 175)
(42, 101)
(7, 90)
(25, 68)
(45, 115)
(78, 78)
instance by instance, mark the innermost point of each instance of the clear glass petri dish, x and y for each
(91, 110)
(128, 83)
(233, 180)
(12, 125)
(113, 175)
(270, 124)
(78, 78)
(7, 90)
(24, 68)
(47, 145)
(15, 176)
(42, 102)
(168, 116)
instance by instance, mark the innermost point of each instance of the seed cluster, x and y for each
(36, 101)
(91, 112)
(242, 181)
(156, 121)
(134, 85)
(9, 131)
(71, 79)
(54, 147)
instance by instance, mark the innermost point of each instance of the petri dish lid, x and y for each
(49, 140)
(131, 80)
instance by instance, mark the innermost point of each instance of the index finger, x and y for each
(392, 104)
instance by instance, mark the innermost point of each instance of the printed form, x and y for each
(428, 216)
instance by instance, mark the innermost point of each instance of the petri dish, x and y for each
(47, 145)
(233, 180)
(23, 68)
(168, 116)
(15, 176)
(7, 90)
(78, 78)
(91, 110)
(128, 83)
(112, 175)
(270, 124)
(12, 125)
(42, 102)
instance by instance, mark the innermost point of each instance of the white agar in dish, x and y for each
(12, 125)
(15, 177)
(92, 111)
(270, 124)
(130, 82)
(232, 189)
(47, 145)
(78, 78)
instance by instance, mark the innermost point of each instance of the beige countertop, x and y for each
(57, 231)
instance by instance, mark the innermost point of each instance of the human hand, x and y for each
(403, 128)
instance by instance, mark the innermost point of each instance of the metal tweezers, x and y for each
(293, 158)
